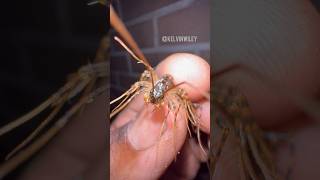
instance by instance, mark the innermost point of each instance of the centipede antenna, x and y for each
(136, 58)
(129, 50)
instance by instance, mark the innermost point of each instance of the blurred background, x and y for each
(280, 40)
(41, 43)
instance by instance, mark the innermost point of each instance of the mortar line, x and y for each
(155, 32)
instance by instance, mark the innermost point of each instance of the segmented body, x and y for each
(256, 158)
(161, 86)
(162, 92)
(235, 104)
(156, 95)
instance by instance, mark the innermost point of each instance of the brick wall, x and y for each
(148, 21)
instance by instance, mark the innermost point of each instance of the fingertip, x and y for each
(204, 111)
(190, 68)
(128, 113)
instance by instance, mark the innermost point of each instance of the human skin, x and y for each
(135, 149)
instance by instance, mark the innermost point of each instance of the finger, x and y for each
(131, 110)
(204, 113)
(185, 67)
(138, 145)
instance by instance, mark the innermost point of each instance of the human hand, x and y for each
(136, 152)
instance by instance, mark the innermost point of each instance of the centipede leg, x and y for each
(132, 92)
(204, 94)
(245, 154)
(174, 130)
(265, 151)
(243, 173)
(159, 138)
(214, 160)
(260, 162)
(124, 103)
